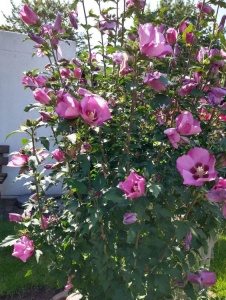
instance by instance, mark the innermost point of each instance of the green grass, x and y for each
(218, 265)
(13, 271)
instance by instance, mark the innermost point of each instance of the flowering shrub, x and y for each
(139, 198)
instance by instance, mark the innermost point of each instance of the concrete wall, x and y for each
(15, 58)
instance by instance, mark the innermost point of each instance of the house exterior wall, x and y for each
(15, 58)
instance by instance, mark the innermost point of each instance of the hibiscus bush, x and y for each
(136, 137)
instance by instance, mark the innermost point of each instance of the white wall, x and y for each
(15, 58)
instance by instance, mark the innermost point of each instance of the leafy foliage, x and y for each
(114, 122)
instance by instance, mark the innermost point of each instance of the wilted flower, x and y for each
(197, 166)
(218, 194)
(216, 95)
(204, 277)
(23, 248)
(133, 186)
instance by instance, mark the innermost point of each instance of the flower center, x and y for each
(135, 187)
(200, 171)
(92, 115)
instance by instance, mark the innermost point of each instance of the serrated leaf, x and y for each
(159, 100)
(155, 189)
(10, 240)
(113, 194)
(76, 185)
(45, 142)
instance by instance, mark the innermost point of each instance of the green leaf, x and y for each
(45, 142)
(99, 182)
(220, 3)
(38, 253)
(13, 132)
(10, 240)
(159, 100)
(24, 141)
(130, 86)
(181, 229)
(29, 273)
(85, 163)
(155, 189)
(76, 185)
(131, 236)
(31, 106)
(114, 194)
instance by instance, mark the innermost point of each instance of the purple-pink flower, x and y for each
(13, 217)
(94, 109)
(216, 95)
(67, 106)
(197, 166)
(135, 3)
(189, 84)
(204, 8)
(23, 248)
(152, 43)
(129, 218)
(185, 125)
(77, 73)
(18, 160)
(73, 18)
(205, 277)
(42, 95)
(188, 240)
(28, 16)
(218, 194)
(189, 37)
(133, 186)
(69, 285)
(58, 155)
(155, 81)
(171, 36)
